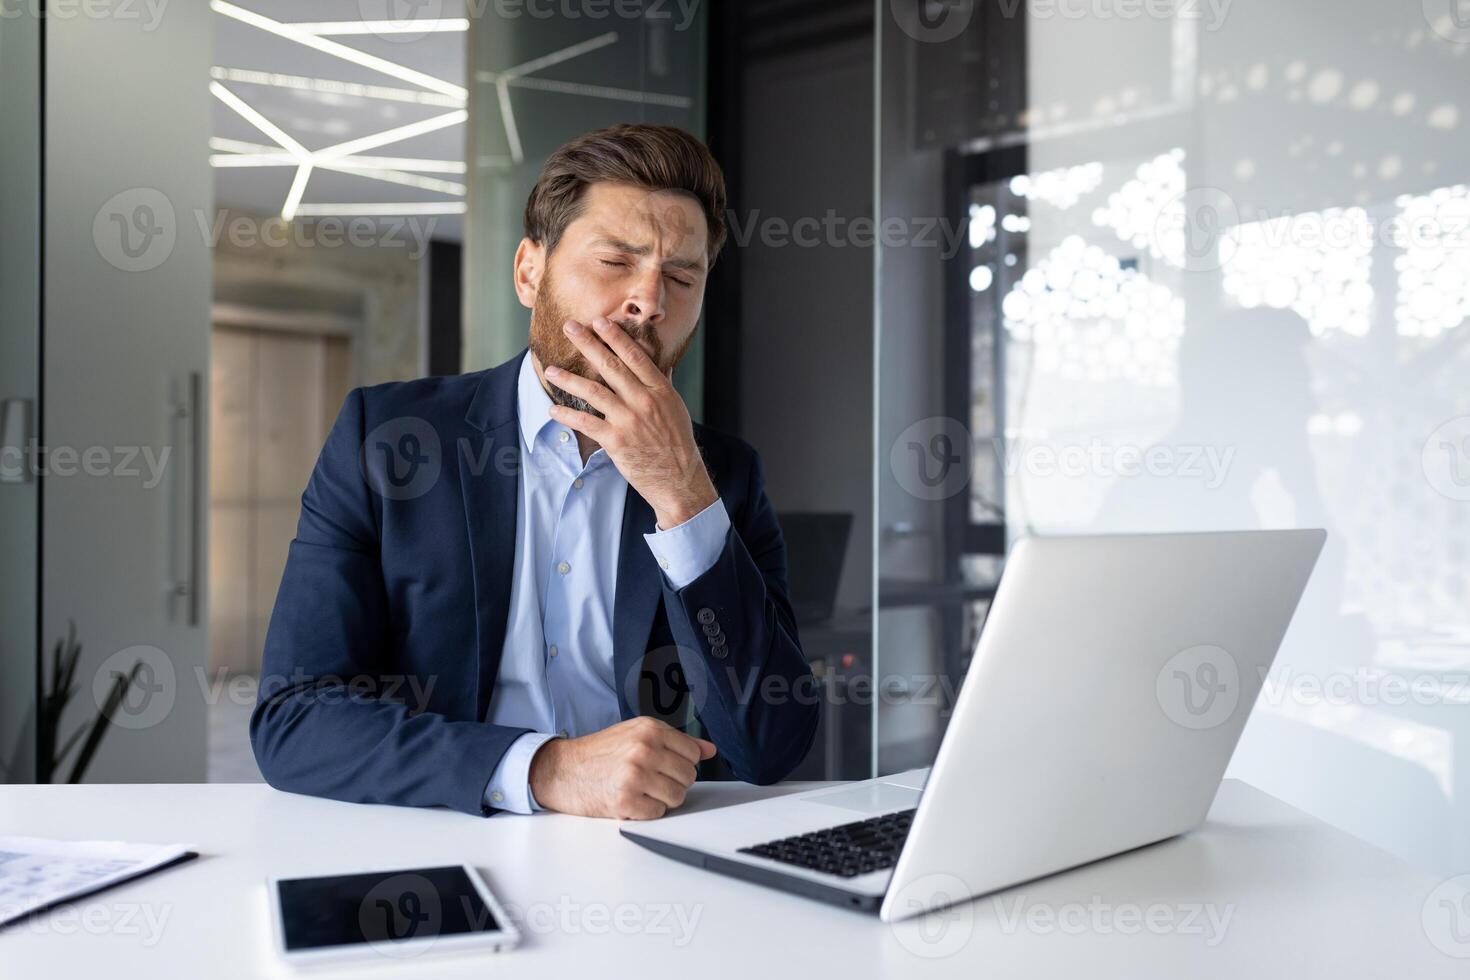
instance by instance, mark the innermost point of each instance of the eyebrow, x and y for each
(628, 248)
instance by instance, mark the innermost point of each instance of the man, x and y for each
(495, 575)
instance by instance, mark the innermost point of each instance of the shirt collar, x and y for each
(533, 404)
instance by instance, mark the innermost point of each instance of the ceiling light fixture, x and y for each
(407, 163)
(379, 210)
(337, 49)
(298, 187)
(410, 26)
(252, 160)
(337, 157)
(254, 118)
(603, 92)
(508, 118)
(557, 57)
(395, 177)
(393, 135)
(332, 86)
(238, 153)
(348, 165)
(239, 146)
(342, 157)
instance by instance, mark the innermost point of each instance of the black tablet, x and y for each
(395, 913)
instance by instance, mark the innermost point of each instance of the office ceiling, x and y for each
(280, 101)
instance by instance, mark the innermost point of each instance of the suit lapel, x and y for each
(639, 590)
(489, 475)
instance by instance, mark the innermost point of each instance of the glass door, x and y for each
(1210, 275)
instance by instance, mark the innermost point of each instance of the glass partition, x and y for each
(20, 337)
(1209, 272)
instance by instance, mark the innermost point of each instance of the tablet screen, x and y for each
(381, 907)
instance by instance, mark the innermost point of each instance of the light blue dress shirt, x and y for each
(556, 668)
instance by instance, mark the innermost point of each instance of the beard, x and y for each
(553, 348)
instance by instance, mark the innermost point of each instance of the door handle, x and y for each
(15, 439)
(191, 413)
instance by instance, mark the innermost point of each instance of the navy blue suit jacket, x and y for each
(385, 641)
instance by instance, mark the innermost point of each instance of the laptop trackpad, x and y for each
(874, 797)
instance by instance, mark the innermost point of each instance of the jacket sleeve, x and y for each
(737, 640)
(334, 716)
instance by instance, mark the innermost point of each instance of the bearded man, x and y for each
(526, 588)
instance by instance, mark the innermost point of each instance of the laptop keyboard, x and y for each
(847, 851)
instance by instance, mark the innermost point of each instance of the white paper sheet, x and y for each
(36, 872)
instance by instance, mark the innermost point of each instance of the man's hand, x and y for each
(635, 770)
(646, 431)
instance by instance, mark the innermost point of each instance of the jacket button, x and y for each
(710, 629)
(705, 615)
(718, 652)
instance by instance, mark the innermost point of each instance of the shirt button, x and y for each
(497, 797)
(664, 564)
(563, 436)
(577, 483)
(552, 651)
(563, 567)
(563, 733)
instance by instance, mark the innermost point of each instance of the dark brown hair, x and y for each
(660, 158)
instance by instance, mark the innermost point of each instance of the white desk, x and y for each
(1303, 900)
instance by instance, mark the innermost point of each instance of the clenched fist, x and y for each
(635, 770)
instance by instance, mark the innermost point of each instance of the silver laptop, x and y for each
(1107, 693)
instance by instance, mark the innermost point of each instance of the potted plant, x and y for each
(57, 689)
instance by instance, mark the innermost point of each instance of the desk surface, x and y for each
(1261, 891)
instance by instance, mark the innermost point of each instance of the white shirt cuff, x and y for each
(510, 785)
(691, 549)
